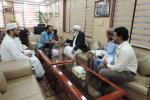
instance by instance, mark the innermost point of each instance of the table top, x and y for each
(83, 84)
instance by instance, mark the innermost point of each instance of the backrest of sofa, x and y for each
(140, 55)
(3, 83)
(88, 40)
(143, 63)
(1, 97)
(34, 38)
(92, 44)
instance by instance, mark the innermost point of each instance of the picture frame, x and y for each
(102, 8)
(8, 9)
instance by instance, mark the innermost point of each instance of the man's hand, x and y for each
(29, 55)
(105, 62)
(53, 41)
(73, 52)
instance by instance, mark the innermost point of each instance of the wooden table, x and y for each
(60, 79)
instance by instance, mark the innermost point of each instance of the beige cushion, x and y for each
(144, 65)
(94, 45)
(89, 41)
(3, 83)
(82, 56)
(1, 96)
(140, 55)
(25, 88)
(140, 84)
(16, 69)
(34, 38)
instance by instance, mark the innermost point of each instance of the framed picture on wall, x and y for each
(8, 9)
(102, 8)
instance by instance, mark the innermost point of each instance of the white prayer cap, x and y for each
(10, 26)
(77, 27)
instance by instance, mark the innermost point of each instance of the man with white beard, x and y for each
(77, 45)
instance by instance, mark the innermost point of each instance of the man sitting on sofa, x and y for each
(125, 64)
(10, 50)
(108, 52)
(46, 38)
(77, 45)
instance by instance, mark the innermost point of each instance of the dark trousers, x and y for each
(47, 49)
(117, 77)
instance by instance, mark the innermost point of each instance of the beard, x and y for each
(49, 32)
(16, 34)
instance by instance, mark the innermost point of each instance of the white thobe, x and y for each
(10, 51)
(68, 49)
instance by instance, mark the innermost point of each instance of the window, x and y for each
(123, 13)
(1, 15)
(18, 9)
(26, 14)
(31, 15)
(44, 8)
(141, 26)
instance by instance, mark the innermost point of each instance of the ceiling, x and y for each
(33, 1)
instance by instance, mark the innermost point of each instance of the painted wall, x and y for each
(100, 27)
(8, 16)
(99, 30)
(100, 24)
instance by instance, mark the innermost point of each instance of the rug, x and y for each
(46, 87)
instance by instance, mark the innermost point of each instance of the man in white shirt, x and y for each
(125, 65)
(10, 50)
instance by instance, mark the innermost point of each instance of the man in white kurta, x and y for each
(10, 51)
(77, 45)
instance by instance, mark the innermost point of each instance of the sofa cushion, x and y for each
(89, 41)
(25, 88)
(34, 39)
(16, 69)
(140, 55)
(140, 84)
(82, 56)
(3, 83)
(144, 65)
(1, 96)
(94, 45)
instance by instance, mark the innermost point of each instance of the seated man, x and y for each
(46, 38)
(77, 45)
(125, 65)
(11, 51)
(24, 36)
(108, 52)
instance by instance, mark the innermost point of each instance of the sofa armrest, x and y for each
(16, 69)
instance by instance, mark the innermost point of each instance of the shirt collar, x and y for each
(122, 44)
(9, 36)
(75, 34)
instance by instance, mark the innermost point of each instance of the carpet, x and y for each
(46, 87)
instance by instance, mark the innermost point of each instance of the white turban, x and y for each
(77, 27)
(10, 26)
